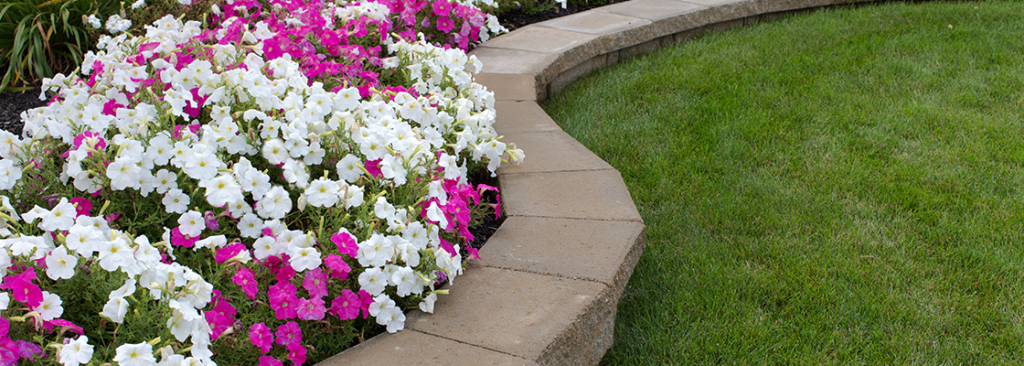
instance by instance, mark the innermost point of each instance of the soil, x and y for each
(11, 106)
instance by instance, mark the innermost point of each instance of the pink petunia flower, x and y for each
(261, 337)
(8, 351)
(441, 8)
(473, 253)
(22, 288)
(283, 300)
(346, 243)
(346, 306)
(270, 361)
(296, 353)
(211, 220)
(82, 206)
(246, 279)
(289, 333)
(364, 303)
(228, 252)
(64, 324)
(315, 283)
(221, 317)
(373, 166)
(310, 309)
(182, 240)
(339, 269)
(285, 273)
(445, 24)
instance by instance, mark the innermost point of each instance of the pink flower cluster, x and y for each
(348, 51)
(290, 302)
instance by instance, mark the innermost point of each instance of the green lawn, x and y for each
(842, 187)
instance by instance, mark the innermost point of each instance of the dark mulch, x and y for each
(11, 106)
(514, 20)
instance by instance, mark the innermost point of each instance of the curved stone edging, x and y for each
(547, 288)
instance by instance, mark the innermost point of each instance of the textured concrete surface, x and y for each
(563, 195)
(513, 312)
(581, 249)
(555, 151)
(410, 347)
(515, 116)
(546, 289)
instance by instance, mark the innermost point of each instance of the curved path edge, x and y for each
(547, 288)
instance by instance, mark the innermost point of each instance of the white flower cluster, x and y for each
(117, 24)
(178, 289)
(263, 111)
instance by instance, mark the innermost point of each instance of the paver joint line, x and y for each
(465, 343)
(574, 218)
(587, 279)
(527, 65)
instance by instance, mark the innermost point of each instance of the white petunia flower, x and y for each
(175, 201)
(10, 173)
(275, 204)
(322, 192)
(139, 354)
(222, 190)
(114, 254)
(115, 309)
(123, 173)
(191, 223)
(60, 218)
(78, 352)
(50, 308)
(60, 264)
(406, 281)
(373, 280)
(303, 259)
(250, 226)
(165, 181)
(427, 305)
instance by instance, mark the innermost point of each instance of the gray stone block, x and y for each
(525, 116)
(410, 347)
(551, 320)
(512, 86)
(551, 151)
(560, 195)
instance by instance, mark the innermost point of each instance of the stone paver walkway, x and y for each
(547, 288)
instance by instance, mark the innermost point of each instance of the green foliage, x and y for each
(837, 188)
(41, 37)
(156, 9)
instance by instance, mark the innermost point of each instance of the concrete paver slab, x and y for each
(593, 22)
(536, 38)
(508, 61)
(552, 151)
(532, 316)
(560, 194)
(716, 2)
(511, 86)
(603, 251)
(410, 347)
(514, 116)
(653, 10)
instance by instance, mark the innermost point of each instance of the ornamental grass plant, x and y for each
(268, 187)
(841, 187)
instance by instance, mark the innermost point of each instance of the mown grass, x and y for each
(842, 187)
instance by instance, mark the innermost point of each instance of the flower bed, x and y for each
(226, 193)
